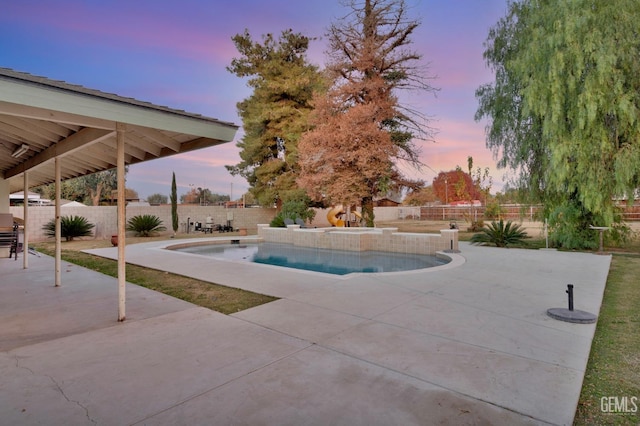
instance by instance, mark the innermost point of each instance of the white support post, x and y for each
(120, 135)
(25, 215)
(58, 224)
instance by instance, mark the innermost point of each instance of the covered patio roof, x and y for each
(52, 130)
(49, 119)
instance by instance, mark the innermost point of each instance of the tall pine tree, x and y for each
(276, 114)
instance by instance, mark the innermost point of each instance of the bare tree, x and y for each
(361, 129)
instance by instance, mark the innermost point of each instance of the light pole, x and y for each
(446, 191)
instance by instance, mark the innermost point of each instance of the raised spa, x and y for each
(339, 262)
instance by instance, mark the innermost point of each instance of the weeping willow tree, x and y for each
(564, 109)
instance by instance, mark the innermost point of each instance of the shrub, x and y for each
(500, 234)
(293, 209)
(620, 234)
(277, 222)
(493, 210)
(476, 226)
(145, 225)
(70, 227)
(569, 227)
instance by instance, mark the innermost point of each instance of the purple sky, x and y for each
(174, 53)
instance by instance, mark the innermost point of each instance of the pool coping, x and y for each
(455, 259)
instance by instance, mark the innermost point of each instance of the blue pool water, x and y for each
(337, 262)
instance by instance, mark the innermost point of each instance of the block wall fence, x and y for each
(106, 217)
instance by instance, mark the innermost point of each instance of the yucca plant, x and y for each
(501, 234)
(70, 227)
(145, 225)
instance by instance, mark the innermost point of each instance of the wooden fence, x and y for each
(508, 212)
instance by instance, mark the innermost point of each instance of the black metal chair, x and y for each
(9, 238)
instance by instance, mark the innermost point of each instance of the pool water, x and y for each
(337, 262)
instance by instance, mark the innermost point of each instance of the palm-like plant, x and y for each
(70, 227)
(145, 225)
(500, 234)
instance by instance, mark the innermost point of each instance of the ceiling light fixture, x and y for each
(20, 151)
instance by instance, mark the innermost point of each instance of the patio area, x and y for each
(467, 344)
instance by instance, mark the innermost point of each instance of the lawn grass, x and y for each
(614, 363)
(226, 300)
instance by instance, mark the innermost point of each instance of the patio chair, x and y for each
(302, 223)
(288, 222)
(209, 226)
(9, 238)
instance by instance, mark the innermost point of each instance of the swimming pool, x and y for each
(336, 262)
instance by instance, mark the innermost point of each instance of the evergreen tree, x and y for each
(89, 189)
(275, 115)
(157, 198)
(174, 204)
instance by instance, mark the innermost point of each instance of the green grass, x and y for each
(614, 362)
(226, 300)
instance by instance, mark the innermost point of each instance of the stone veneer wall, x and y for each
(362, 239)
(106, 217)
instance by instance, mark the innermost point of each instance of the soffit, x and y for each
(78, 126)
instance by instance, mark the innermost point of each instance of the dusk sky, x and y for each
(174, 53)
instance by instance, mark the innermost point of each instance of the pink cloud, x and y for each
(134, 25)
(174, 54)
(456, 141)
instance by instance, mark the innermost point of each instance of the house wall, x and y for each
(4, 196)
(4, 208)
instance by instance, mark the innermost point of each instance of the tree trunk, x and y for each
(95, 195)
(367, 211)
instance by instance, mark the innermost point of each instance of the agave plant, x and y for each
(501, 234)
(145, 225)
(70, 227)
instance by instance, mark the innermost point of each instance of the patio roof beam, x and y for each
(76, 141)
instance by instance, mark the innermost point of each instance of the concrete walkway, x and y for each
(470, 344)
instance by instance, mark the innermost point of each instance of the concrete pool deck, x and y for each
(470, 344)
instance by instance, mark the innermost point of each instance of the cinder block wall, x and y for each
(106, 217)
(381, 214)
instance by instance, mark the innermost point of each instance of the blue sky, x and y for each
(174, 53)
